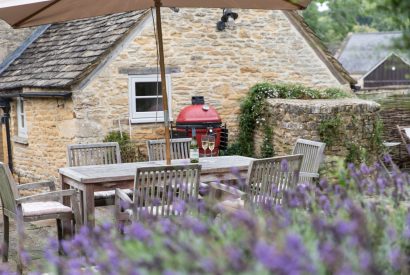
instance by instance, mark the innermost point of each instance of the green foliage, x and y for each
(377, 136)
(356, 154)
(333, 24)
(253, 109)
(267, 150)
(329, 130)
(129, 151)
(117, 136)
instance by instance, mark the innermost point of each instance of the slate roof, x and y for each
(321, 50)
(361, 52)
(67, 52)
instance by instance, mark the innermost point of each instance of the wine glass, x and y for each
(211, 143)
(204, 142)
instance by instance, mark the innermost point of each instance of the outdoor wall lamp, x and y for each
(227, 20)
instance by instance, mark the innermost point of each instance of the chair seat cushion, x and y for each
(230, 205)
(44, 208)
(110, 193)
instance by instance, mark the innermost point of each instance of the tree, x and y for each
(343, 16)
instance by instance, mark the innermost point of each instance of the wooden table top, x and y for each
(126, 171)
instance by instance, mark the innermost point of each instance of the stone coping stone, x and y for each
(325, 105)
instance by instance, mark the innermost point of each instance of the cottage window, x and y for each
(146, 98)
(21, 118)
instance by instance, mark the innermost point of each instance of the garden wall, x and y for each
(292, 119)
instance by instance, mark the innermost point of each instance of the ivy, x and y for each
(329, 130)
(253, 108)
(267, 150)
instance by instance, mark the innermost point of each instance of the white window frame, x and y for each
(147, 117)
(21, 118)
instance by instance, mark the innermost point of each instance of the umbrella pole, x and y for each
(158, 5)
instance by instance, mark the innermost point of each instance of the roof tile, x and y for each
(61, 55)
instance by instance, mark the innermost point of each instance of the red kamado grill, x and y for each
(205, 119)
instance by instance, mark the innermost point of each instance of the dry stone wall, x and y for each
(292, 119)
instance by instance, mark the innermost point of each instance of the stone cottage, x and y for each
(76, 81)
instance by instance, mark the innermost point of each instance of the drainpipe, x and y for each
(5, 120)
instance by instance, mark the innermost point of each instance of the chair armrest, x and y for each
(231, 190)
(309, 175)
(50, 196)
(36, 185)
(122, 196)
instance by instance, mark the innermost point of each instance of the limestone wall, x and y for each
(50, 128)
(293, 119)
(10, 39)
(221, 66)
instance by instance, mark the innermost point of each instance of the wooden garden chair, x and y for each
(313, 155)
(96, 154)
(179, 149)
(404, 132)
(265, 184)
(38, 207)
(158, 191)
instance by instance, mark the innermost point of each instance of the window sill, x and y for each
(20, 140)
(148, 120)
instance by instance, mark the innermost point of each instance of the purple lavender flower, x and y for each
(395, 258)
(325, 204)
(139, 232)
(406, 230)
(343, 228)
(235, 257)
(284, 165)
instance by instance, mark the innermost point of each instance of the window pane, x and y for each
(21, 106)
(22, 122)
(148, 105)
(147, 88)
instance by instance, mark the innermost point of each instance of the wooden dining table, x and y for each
(90, 179)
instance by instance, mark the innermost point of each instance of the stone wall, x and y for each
(221, 66)
(293, 119)
(10, 39)
(50, 128)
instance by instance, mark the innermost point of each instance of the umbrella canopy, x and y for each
(27, 13)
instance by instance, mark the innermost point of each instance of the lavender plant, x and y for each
(359, 224)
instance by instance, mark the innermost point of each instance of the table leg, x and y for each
(67, 227)
(88, 206)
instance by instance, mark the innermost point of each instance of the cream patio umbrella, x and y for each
(28, 13)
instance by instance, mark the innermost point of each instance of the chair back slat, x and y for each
(158, 189)
(179, 149)
(269, 178)
(405, 138)
(8, 189)
(93, 154)
(313, 153)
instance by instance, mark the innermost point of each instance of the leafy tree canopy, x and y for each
(332, 20)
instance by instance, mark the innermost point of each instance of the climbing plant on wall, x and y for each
(253, 111)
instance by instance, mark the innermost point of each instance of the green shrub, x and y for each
(129, 151)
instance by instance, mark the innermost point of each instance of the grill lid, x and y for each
(195, 114)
